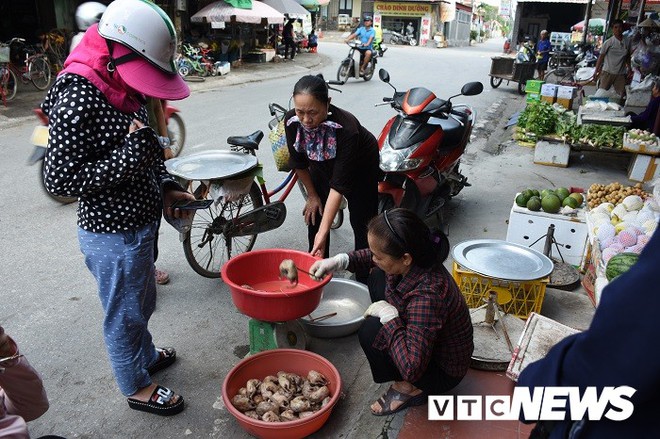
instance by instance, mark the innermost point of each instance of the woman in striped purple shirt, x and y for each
(417, 332)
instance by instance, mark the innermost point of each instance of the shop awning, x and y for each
(221, 11)
(291, 7)
(593, 22)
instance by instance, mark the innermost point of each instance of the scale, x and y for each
(564, 275)
(495, 332)
(276, 335)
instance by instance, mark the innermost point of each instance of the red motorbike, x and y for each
(421, 148)
(176, 131)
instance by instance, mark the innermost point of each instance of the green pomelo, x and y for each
(546, 192)
(562, 192)
(578, 197)
(570, 202)
(534, 204)
(551, 203)
(528, 193)
(521, 200)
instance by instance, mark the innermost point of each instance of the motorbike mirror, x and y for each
(384, 76)
(472, 88)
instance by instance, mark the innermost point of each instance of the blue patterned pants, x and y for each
(123, 265)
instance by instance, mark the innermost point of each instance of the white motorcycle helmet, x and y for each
(89, 13)
(142, 27)
(144, 32)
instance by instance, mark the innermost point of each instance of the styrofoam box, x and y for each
(643, 168)
(566, 92)
(549, 90)
(526, 226)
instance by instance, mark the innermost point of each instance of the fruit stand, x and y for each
(532, 213)
(620, 221)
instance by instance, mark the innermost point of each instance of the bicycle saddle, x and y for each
(250, 141)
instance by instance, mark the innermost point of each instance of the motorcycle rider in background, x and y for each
(366, 34)
(378, 40)
(87, 14)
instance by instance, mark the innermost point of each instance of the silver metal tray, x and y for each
(211, 165)
(502, 260)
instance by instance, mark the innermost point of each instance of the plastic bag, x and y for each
(279, 147)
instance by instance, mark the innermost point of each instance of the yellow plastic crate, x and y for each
(517, 298)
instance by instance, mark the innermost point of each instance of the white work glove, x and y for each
(329, 265)
(383, 310)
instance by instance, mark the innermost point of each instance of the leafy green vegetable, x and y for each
(538, 118)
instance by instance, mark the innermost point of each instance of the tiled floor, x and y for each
(476, 382)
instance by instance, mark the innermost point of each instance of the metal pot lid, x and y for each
(502, 260)
(210, 165)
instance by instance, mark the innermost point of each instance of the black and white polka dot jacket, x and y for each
(117, 176)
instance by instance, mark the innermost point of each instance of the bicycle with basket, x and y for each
(243, 206)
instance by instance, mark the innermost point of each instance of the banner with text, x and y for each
(393, 9)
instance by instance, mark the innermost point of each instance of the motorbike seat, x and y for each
(452, 130)
(250, 141)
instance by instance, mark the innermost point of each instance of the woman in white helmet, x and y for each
(87, 14)
(102, 151)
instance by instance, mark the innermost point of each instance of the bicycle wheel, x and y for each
(9, 83)
(176, 131)
(495, 82)
(39, 72)
(205, 245)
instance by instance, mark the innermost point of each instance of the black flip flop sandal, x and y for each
(391, 395)
(166, 357)
(158, 403)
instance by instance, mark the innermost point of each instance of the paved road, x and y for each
(49, 301)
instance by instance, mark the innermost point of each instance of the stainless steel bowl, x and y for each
(349, 299)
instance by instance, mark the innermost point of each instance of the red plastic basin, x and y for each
(269, 363)
(261, 267)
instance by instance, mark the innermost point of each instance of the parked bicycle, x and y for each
(8, 80)
(35, 68)
(243, 205)
(196, 61)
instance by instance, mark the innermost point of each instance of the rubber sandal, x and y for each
(158, 403)
(391, 395)
(166, 356)
(162, 277)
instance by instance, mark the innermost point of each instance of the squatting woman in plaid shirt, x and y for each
(418, 331)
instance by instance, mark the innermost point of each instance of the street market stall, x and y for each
(248, 28)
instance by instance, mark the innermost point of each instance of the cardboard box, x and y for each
(549, 99)
(552, 154)
(643, 168)
(566, 103)
(549, 90)
(571, 232)
(533, 86)
(567, 92)
(533, 97)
